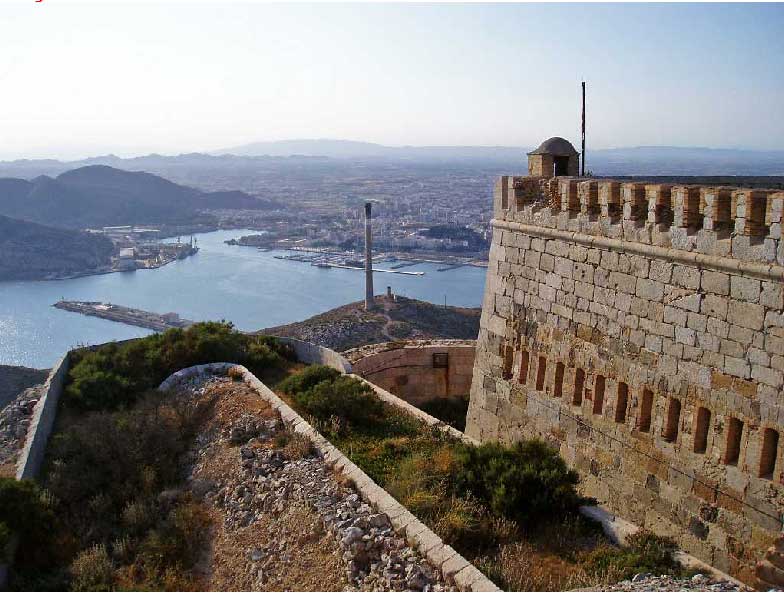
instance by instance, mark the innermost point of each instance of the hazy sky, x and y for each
(79, 80)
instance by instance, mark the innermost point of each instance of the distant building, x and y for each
(127, 259)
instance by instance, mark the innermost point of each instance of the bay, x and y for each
(243, 285)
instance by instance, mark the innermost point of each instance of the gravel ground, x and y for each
(649, 582)
(284, 520)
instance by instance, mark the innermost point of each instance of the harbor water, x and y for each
(251, 288)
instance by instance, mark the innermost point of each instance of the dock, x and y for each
(126, 315)
(320, 260)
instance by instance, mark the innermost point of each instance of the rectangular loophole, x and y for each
(579, 385)
(621, 403)
(734, 434)
(646, 411)
(559, 377)
(701, 430)
(440, 360)
(523, 376)
(508, 361)
(770, 450)
(598, 398)
(670, 432)
(540, 373)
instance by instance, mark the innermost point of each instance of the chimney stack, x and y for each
(370, 302)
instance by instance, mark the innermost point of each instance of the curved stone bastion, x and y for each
(639, 328)
(417, 371)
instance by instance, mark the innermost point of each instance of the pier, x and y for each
(322, 261)
(126, 315)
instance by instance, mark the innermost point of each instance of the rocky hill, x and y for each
(30, 251)
(14, 380)
(351, 326)
(98, 195)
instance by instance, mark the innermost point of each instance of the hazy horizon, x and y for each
(130, 80)
(227, 151)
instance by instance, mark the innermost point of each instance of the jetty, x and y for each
(126, 315)
(321, 261)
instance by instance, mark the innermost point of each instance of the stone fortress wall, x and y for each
(640, 329)
(417, 371)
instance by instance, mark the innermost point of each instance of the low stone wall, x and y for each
(315, 354)
(418, 370)
(41, 425)
(452, 565)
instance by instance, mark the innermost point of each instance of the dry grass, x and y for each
(551, 559)
(298, 447)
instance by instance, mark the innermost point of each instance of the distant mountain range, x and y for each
(638, 160)
(351, 149)
(30, 251)
(299, 154)
(98, 195)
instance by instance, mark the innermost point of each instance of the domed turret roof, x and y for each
(556, 146)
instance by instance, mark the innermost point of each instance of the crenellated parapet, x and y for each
(738, 223)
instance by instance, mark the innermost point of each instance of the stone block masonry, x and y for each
(640, 329)
(418, 370)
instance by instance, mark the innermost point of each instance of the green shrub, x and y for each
(114, 476)
(112, 376)
(527, 482)
(307, 379)
(5, 542)
(25, 512)
(420, 480)
(176, 542)
(346, 398)
(644, 552)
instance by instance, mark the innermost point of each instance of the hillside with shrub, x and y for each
(351, 326)
(30, 251)
(98, 195)
(114, 375)
(14, 379)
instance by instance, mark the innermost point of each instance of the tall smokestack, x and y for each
(370, 302)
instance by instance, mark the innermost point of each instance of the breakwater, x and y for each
(126, 315)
